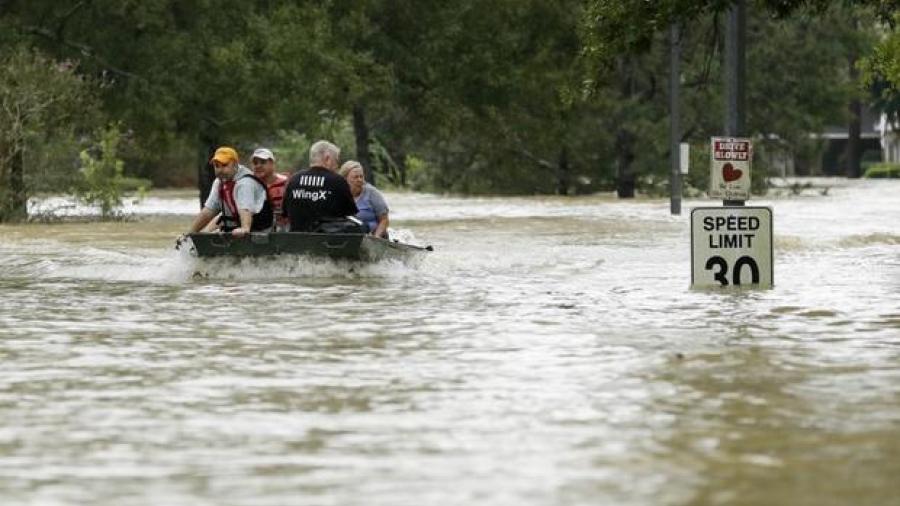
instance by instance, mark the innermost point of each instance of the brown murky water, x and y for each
(549, 352)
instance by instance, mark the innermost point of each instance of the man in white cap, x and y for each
(263, 162)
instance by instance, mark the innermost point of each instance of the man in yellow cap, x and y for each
(238, 195)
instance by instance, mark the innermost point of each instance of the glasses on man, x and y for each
(259, 161)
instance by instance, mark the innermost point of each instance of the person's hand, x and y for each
(239, 232)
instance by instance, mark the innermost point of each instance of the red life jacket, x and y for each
(262, 221)
(276, 196)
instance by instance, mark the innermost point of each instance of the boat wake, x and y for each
(52, 261)
(288, 267)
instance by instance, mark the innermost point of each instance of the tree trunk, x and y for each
(18, 195)
(625, 177)
(361, 133)
(853, 154)
(562, 172)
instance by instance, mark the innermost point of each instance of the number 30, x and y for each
(720, 262)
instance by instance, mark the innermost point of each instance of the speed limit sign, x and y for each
(731, 246)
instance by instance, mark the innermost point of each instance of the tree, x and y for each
(39, 98)
(807, 44)
(499, 96)
(881, 71)
(212, 71)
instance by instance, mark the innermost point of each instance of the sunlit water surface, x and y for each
(549, 352)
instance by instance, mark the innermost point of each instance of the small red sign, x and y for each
(731, 150)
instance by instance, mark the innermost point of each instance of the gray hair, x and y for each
(319, 149)
(348, 166)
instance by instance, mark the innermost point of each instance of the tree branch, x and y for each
(64, 19)
(83, 49)
(529, 155)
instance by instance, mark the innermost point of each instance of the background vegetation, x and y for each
(474, 96)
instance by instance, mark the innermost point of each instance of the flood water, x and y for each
(549, 352)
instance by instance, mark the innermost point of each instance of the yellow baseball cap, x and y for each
(224, 155)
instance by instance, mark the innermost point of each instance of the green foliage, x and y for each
(611, 28)
(103, 183)
(43, 106)
(881, 71)
(137, 185)
(808, 45)
(883, 170)
(51, 162)
(291, 148)
(886, 59)
(455, 98)
(420, 174)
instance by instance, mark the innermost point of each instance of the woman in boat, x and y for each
(373, 209)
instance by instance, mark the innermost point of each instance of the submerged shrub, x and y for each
(103, 183)
(883, 170)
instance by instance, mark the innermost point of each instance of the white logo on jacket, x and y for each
(308, 180)
(315, 195)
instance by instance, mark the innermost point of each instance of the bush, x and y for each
(102, 181)
(883, 171)
(135, 184)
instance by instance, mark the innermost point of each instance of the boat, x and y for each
(345, 246)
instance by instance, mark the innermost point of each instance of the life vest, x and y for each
(275, 191)
(262, 221)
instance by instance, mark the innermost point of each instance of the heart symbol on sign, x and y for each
(729, 173)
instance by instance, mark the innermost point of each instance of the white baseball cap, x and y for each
(263, 154)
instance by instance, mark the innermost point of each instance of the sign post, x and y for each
(674, 119)
(731, 245)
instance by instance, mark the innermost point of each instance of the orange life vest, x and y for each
(261, 221)
(275, 191)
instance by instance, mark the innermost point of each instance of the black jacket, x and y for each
(316, 194)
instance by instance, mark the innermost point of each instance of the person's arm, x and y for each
(379, 205)
(211, 208)
(204, 217)
(213, 226)
(249, 197)
(381, 228)
(246, 223)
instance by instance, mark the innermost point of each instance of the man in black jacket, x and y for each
(318, 194)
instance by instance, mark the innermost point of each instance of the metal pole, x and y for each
(674, 119)
(735, 75)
